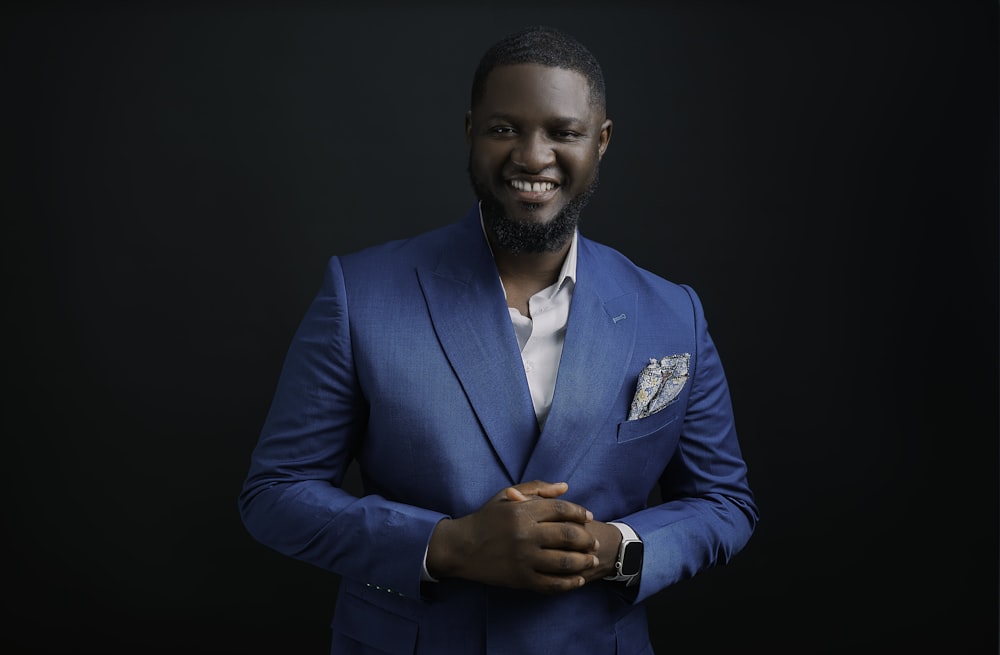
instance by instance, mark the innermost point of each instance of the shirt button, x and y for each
(528, 367)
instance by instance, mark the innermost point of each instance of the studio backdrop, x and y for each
(177, 175)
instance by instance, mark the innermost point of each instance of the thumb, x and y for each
(513, 493)
(522, 491)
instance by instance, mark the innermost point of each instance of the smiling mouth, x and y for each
(532, 187)
(533, 195)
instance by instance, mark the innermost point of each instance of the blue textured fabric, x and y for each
(407, 360)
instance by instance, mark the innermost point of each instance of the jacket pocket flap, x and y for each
(374, 626)
(638, 428)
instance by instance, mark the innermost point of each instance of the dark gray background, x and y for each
(176, 176)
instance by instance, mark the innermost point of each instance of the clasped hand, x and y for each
(525, 537)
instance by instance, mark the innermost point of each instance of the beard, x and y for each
(530, 237)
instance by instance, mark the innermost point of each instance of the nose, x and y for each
(533, 153)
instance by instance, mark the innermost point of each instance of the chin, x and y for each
(533, 213)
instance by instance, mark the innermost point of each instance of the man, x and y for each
(513, 393)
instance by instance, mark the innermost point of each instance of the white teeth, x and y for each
(536, 187)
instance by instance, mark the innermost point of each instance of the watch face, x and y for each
(632, 559)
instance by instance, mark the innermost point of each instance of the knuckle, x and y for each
(570, 535)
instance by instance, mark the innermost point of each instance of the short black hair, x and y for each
(546, 46)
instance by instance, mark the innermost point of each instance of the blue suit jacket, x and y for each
(407, 361)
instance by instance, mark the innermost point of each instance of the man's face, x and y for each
(535, 141)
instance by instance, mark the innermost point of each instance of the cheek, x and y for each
(487, 154)
(582, 168)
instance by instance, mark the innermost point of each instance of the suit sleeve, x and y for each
(708, 511)
(291, 499)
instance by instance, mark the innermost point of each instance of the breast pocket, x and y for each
(665, 419)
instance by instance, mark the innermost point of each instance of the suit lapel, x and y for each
(467, 308)
(600, 336)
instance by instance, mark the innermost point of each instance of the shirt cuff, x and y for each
(425, 575)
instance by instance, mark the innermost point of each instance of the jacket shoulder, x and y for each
(630, 276)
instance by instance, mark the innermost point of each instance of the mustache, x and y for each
(529, 237)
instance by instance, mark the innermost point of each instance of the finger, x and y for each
(527, 490)
(552, 489)
(564, 562)
(544, 509)
(557, 584)
(543, 489)
(566, 536)
(513, 493)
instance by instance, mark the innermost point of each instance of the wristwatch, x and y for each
(629, 562)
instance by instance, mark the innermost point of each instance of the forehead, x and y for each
(533, 88)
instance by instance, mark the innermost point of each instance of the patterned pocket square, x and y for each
(659, 384)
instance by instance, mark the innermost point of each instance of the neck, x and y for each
(526, 273)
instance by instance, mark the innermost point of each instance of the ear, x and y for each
(605, 138)
(468, 127)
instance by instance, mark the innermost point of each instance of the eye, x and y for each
(565, 135)
(501, 130)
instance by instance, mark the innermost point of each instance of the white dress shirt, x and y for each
(542, 334)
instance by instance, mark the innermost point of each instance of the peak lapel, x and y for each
(600, 337)
(467, 307)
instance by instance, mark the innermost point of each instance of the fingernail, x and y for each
(597, 544)
(596, 561)
(590, 515)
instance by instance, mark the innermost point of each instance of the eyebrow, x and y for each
(561, 121)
